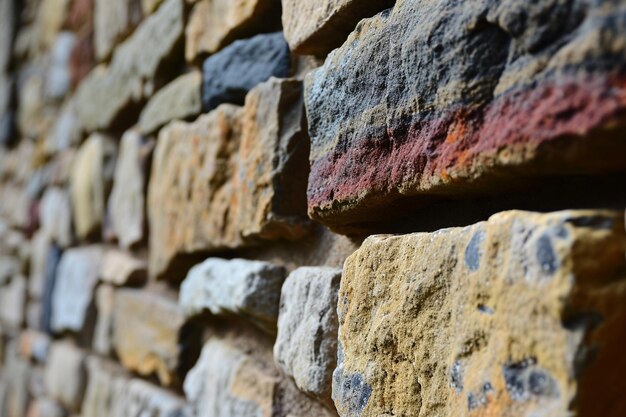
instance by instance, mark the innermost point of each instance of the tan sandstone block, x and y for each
(113, 20)
(522, 315)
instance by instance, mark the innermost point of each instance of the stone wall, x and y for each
(313, 208)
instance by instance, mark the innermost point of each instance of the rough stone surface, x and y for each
(34, 345)
(65, 132)
(65, 375)
(51, 16)
(90, 183)
(317, 27)
(231, 73)
(146, 334)
(272, 174)
(113, 20)
(247, 288)
(52, 263)
(215, 23)
(122, 269)
(180, 99)
(108, 94)
(55, 215)
(520, 315)
(127, 207)
(449, 98)
(103, 332)
(38, 264)
(190, 191)
(306, 345)
(76, 279)
(228, 382)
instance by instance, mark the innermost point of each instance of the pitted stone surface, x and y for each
(76, 279)
(449, 98)
(446, 323)
(231, 73)
(127, 204)
(190, 193)
(247, 288)
(272, 175)
(90, 183)
(315, 27)
(306, 345)
(146, 330)
(178, 100)
(215, 23)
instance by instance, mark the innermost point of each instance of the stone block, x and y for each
(34, 345)
(127, 207)
(247, 288)
(55, 216)
(306, 345)
(65, 375)
(520, 315)
(90, 183)
(103, 333)
(178, 100)
(58, 74)
(114, 19)
(231, 73)
(214, 24)
(122, 269)
(13, 302)
(440, 99)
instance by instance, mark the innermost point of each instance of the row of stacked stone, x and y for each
(172, 171)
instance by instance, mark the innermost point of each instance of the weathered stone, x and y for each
(72, 297)
(110, 94)
(146, 334)
(83, 57)
(54, 258)
(180, 99)
(228, 382)
(519, 315)
(190, 193)
(443, 98)
(80, 15)
(306, 345)
(113, 20)
(9, 267)
(247, 288)
(66, 375)
(103, 333)
(272, 175)
(13, 302)
(110, 393)
(65, 132)
(34, 315)
(90, 183)
(58, 77)
(34, 345)
(17, 373)
(45, 407)
(231, 73)
(317, 27)
(214, 24)
(55, 215)
(51, 15)
(127, 203)
(31, 118)
(120, 268)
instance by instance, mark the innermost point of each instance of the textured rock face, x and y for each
(108, 93)
(76, 279)
(306, 345)
(228, 382)
(319, 26)
(235, 70)
(127, 208)
(190, 192)
(103, 332)
(55, 215)
(90, 183)
(113, 20)
(247, 288)
(13, 302)
(450, 97)
(58, 77)
(65, 375)
(520, 315)
(180, 99)
(146, 334)
(215, 23)
(271, 180)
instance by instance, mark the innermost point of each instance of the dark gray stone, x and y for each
(231, 73)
